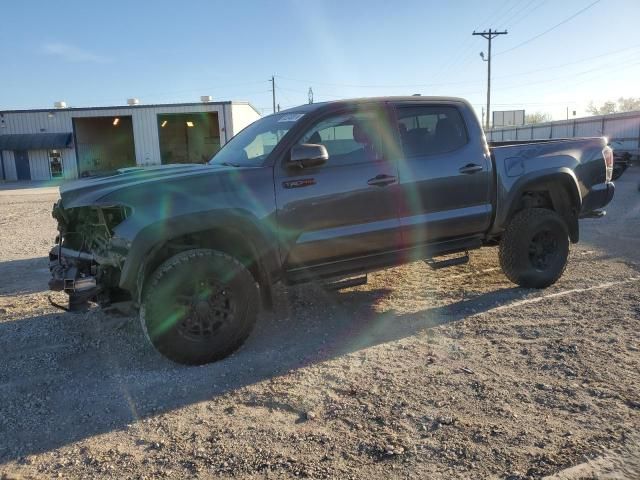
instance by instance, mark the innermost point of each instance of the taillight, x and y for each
(607, 154)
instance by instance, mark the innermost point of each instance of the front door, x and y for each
(347, 207)
(445, 178)
(23, 171)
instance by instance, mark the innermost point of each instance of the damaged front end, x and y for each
(87, 259)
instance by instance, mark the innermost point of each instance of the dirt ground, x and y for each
(442, 374)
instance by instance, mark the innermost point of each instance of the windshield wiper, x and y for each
(229, 164)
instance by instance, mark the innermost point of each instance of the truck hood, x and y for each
(91, 191)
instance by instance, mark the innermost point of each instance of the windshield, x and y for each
(252, 145)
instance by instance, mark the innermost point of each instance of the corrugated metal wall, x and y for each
(623, 127)
(145, 130)
(39, 164)
(9, 165)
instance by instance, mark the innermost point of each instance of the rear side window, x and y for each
(431, 130)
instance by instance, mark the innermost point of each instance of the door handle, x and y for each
(381, 180)
(470, 168)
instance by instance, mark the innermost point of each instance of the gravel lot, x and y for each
(419, 374)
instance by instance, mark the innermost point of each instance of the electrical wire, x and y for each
(535, 37)
(523, 14)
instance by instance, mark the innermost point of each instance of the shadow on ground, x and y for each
(65, 377)
(19, 277)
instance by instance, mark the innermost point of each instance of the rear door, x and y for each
(445, 177)
(348, 206)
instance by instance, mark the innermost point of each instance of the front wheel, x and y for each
(199, 306)
(534, 248)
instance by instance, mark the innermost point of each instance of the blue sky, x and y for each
(100, 53)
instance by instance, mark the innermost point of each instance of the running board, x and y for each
(346, 283)
(449, 262)
(594, 214)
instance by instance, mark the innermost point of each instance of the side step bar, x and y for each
(594, 214)
(449, 262)
(346, 283)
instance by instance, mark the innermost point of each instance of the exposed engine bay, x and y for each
(83, 263)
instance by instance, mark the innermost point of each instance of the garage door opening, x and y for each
(188, 137)
(104, 144)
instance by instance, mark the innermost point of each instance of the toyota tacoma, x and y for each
(322, 192)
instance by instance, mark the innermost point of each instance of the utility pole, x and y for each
(489, 35)
(273, 91)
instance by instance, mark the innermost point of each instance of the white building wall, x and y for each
(232, 117)
(9, 165)
(621, 127)
(242, 116)
(562, 130)
(541, 133)
(523, 133)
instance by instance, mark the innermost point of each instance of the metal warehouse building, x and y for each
(66, 143)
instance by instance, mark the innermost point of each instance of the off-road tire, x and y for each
(169, 316)
(518, 257)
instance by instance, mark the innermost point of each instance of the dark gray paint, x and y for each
(339, 222)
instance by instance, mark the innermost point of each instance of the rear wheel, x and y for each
(199, 306)
(534, 248)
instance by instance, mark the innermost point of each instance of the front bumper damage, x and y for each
(74, 273)
(87, 258)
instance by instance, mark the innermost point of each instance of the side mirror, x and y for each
(308, 155)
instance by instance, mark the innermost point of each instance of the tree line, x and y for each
(623, 104)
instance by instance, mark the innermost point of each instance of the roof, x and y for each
(35, 141)
(362, 100)
(112, 107)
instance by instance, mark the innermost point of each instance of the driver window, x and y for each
(349, 138)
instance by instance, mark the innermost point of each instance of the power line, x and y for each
(504, 15)
(535, 37)
(631, 57)
(469, 53)
(524, 13)
(599, 68)
(542, 69)
(467, 46)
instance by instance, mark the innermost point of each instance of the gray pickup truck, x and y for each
(323, 192)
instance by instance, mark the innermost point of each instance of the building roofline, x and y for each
(133, 107)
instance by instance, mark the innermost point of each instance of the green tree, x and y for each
(537, 117)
